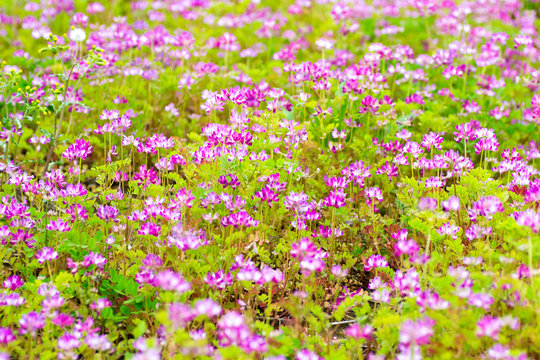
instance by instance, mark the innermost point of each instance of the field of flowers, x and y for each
(264, 179)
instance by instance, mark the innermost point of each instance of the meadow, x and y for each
(252, 179)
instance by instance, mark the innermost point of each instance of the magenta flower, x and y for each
(336, 199)
(31, 322)
(426, 203)
(305, 354)
(449, 229)
(523, 40)
(267, 195)
(100, 304)
(240, 218)
(46, 254)
(77, 212)
(298, 201)
(106, 212)
(416, 332)
(171, 281)
(229, 180)
(432, 140)
(481, 300)
(68, 342)
(452, 204)
(81, 149)
(6, 336)
(62, 320)
(232, 330)
(489, 326)
(487, 207)
(373, 193)
(94, 259)
(357, 332)
(270, 275)
(375, 261)
(338, 271)
(219, 279)
(13, 282)
(59, 225)
(388, 169)
(207, 307)
(146, 176)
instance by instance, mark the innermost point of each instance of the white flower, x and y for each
(324, 44)
(77, 35)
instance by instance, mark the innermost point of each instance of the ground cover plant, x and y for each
(309, 179)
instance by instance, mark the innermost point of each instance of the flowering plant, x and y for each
(306, 179)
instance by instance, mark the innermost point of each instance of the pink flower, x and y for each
(416, 332)
(219, 279)
(171, 281)
(452, 204)
(489, 326)
(207, 307)
(432, 140)
(6, 336)
(59, 225)
(81, 149)
(46, 254)
(375, 261)
(13, 282)
(357, 332)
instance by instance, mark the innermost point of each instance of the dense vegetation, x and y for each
(269, 179)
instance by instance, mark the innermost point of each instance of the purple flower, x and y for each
(357, 332)
(523, 40)
(373, 193)
(31, 322)
(375, 261)
(449, 229)
(476, 232)
(59, 225)
(240, 218)
(232, 330)
(487, 207)
(100, 304)
(305, 354)
(146, 176)
(207, 307)
(390, 170)
(298, 201)
(106, 212)
(481, 300)
(431, 300)
(432, 140)
(94, 259)
(81, 149)
(62, 320)
(171, 281)
(219, 279)
(416, 332)
(13, 282)
(68, 342)
(336, 199)
(181, 314)
(488, 326)
(229, 180)
(270, 275)
(268, 195)
(46, 254)
(452, 204)
(426, 203)
(6, 336)
(97, 342)
(338, 271)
